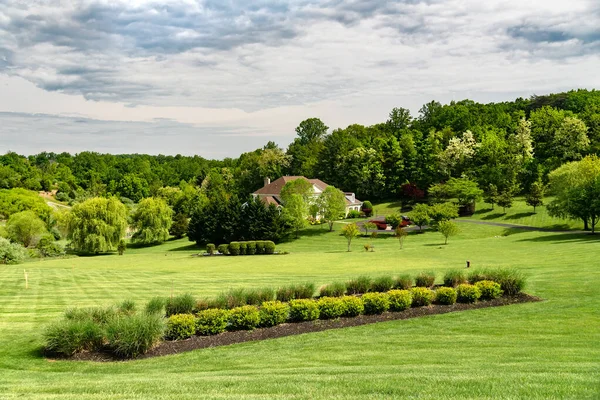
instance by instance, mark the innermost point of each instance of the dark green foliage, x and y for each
(489, 290)
(243, 248)
(330, 307)
(353, 214)
(394, 220)
(49, 248)
(250, 248)
(425, 279)
(126, 307)
(11, 253)
(273, 313)
(353, 306)
(156, 305)
(258, 296)
(179, 226)
(121, 247)
(454, 277)
(445, 295)
(212, 321)
(131, 335)
(223, 249)
(210, 249)
(269, 247)
(422, 296)
(336, 289)
(367, 208)
(70, 336)
(243, 318)
(376, 303)
(234, 249)
(182, 304)
(403, 282)
(466, 293)
(180, 326)
(260, 247)
(359, 285)
(303, 310)
(382, 284)
(400, 300)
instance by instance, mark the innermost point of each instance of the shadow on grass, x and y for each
(493, 216)
(520, 215)
(565, 237)
(189, 247)
(483, 211)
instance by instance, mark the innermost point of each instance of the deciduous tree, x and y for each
(332, 204)
(152, 220)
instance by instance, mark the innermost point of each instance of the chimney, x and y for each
(267, 181)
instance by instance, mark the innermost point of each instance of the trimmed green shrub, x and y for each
(182, 304)
(303, 310)
(466, 293)
(269, 247)
(425, 279)
(180, 326)
(70, 336)
(359, 285)
(223, 249)
(489, 290)
(243, 318)
(250, 248)
(336, 289)
(273, 313)
(210, 249)
(421, 296)
(258, 296)
(353, 306)
(243, 246)
(404, 282)
(330, 307)
(234, 248)
(212, 321)
(99, 315)
(131, 335)
(400, 300)
(126, 307)
(382, 284)
(445, 295)
(454, 277)
(11, 253)
(156, 305)
(260, 247)
(376, 303)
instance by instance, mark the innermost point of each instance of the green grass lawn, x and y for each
(546, 350)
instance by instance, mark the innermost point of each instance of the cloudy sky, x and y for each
(218, 77)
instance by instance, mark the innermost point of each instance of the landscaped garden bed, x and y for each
(183, 323)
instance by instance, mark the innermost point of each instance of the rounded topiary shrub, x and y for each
(212, 321)
(336, 289)
(376, 303)
(210, 249)
(353, 306)
(243, 318)
(425, 279)
(489, 290)
(234, 248)
(260, 247)
(180, 326)
(273, 313)
(454, 277)
(404, 282)
(223, 249)
(422, 296)
(303, 310)
(243, 247)
(182, 304)
(382, 284)
(445, 295)
(269, 247)
(466, 293)
(400, 300)
(330, 307)
(131, 335)
(71, 336)
(250, 248)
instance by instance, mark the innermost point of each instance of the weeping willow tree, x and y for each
(97, 225)
(152, 220)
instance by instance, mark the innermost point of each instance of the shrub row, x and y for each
(243, 248)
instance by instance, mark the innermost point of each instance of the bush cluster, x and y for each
(273, 313)
(243, 318)
(467, 293)
(376, 303)
(422, 296)
(445, 295)
(489, 290)
(330, 307)
(246, 248)
(180, 326)
(303, 310)
(400, 300)
(211, 322)
(511, 281)
(353, 306)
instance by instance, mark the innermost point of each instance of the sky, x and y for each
(220, 77)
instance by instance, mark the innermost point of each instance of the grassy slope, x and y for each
(542, 350)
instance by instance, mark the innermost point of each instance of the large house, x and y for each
(270, 193)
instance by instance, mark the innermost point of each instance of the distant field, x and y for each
(547, 350)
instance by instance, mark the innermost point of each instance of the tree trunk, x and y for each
(585, 225)
(446, 241)
(534, 209)
(349, 241)
(330, 226)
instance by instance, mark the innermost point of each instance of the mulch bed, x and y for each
(227, 338)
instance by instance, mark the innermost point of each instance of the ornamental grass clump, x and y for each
(404, 282)
(382, 284)
(303, 310)
(376, 303)
(70, 336)
(273, 313)
(182, 304)
(489, 290)
(467, 293)
(156, 305)
(512, 281)
(180, 326)
(359, 285)
(243, 318)
(128, 336)
(425, 279)
(353, 306)
(330, 307)
(454, 277)
(99, 315)
(211, 322)
(291, 292)
(233, 298)
(445, 296)
(422, 296)
(400, 300)
(336, 289)
(126, 307)
(258, 296)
